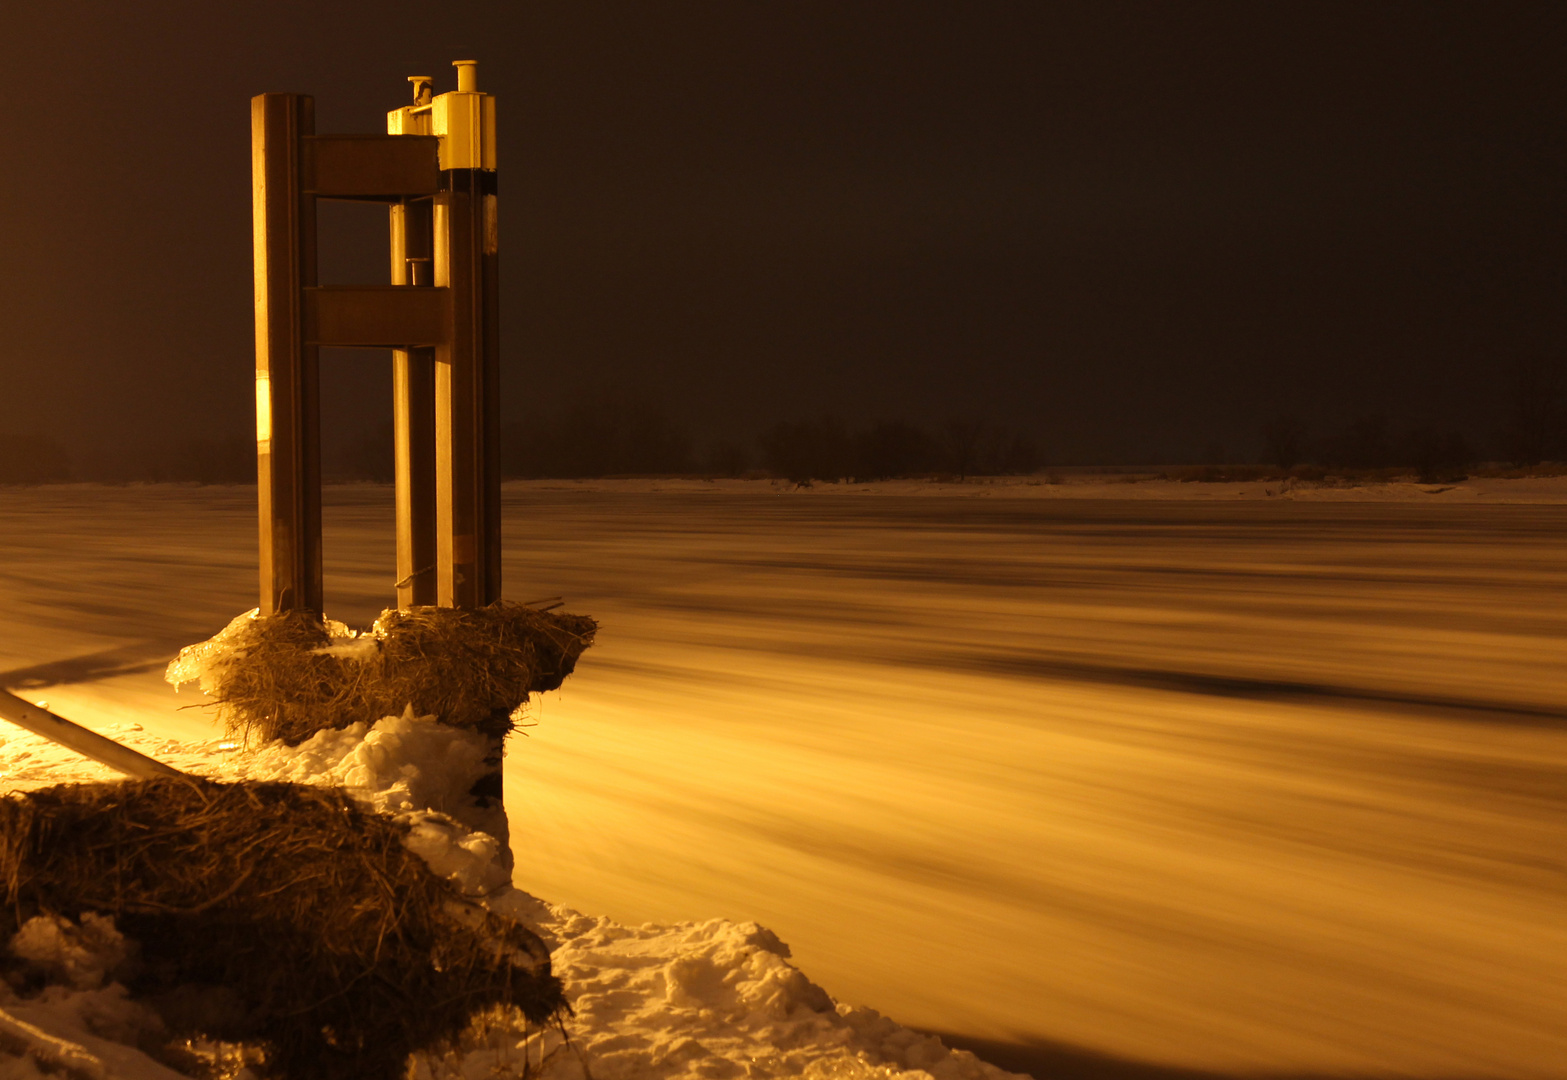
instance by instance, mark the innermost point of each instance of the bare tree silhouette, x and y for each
(1533, 428)
(1284, 437)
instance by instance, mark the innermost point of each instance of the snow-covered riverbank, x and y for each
(714, 999)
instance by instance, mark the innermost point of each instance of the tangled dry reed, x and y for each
(288, 676)
(296, 918)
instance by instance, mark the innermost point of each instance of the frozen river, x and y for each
(1105, 787)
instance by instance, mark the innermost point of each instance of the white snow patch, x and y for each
(714, 999)
(398, 764)
(80, 955)
(76, 1026)
(469, 860)
(360, 648)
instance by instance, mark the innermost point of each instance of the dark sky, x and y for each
(1132, 229)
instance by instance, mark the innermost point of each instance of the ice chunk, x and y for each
(201, 662)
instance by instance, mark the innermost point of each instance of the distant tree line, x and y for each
(1536, 426)
(1532, 430)
(607, 434)
(824, 449)
(620, 436)
(1368, 443)
(614, 434)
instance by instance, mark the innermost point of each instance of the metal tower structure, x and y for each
(435, 168)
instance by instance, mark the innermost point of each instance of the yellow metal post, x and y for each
(467, 363)
(413, 381)
(288, 416)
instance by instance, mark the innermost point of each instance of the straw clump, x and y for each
(290, 675)
(294, 918)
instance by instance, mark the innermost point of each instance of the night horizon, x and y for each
(1131, 233)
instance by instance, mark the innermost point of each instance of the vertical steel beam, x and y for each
(288, 415)
(467, 374)
(467, 400)
(413, 417)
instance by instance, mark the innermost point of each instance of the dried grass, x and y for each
(294, 917)
(288, 676)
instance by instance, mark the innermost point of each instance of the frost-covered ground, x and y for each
(1179, 775)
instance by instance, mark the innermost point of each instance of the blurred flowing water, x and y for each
(1104, 788)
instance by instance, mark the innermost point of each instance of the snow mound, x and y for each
(396, 765)
(409, 766)
(468, 859)
(714, 999)
(80, 955)
(77, 1027)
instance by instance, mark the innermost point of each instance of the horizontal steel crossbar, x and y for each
(377, 316)
(372, 168)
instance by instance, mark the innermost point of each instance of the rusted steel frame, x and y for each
(86, 742)
(288, 411)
